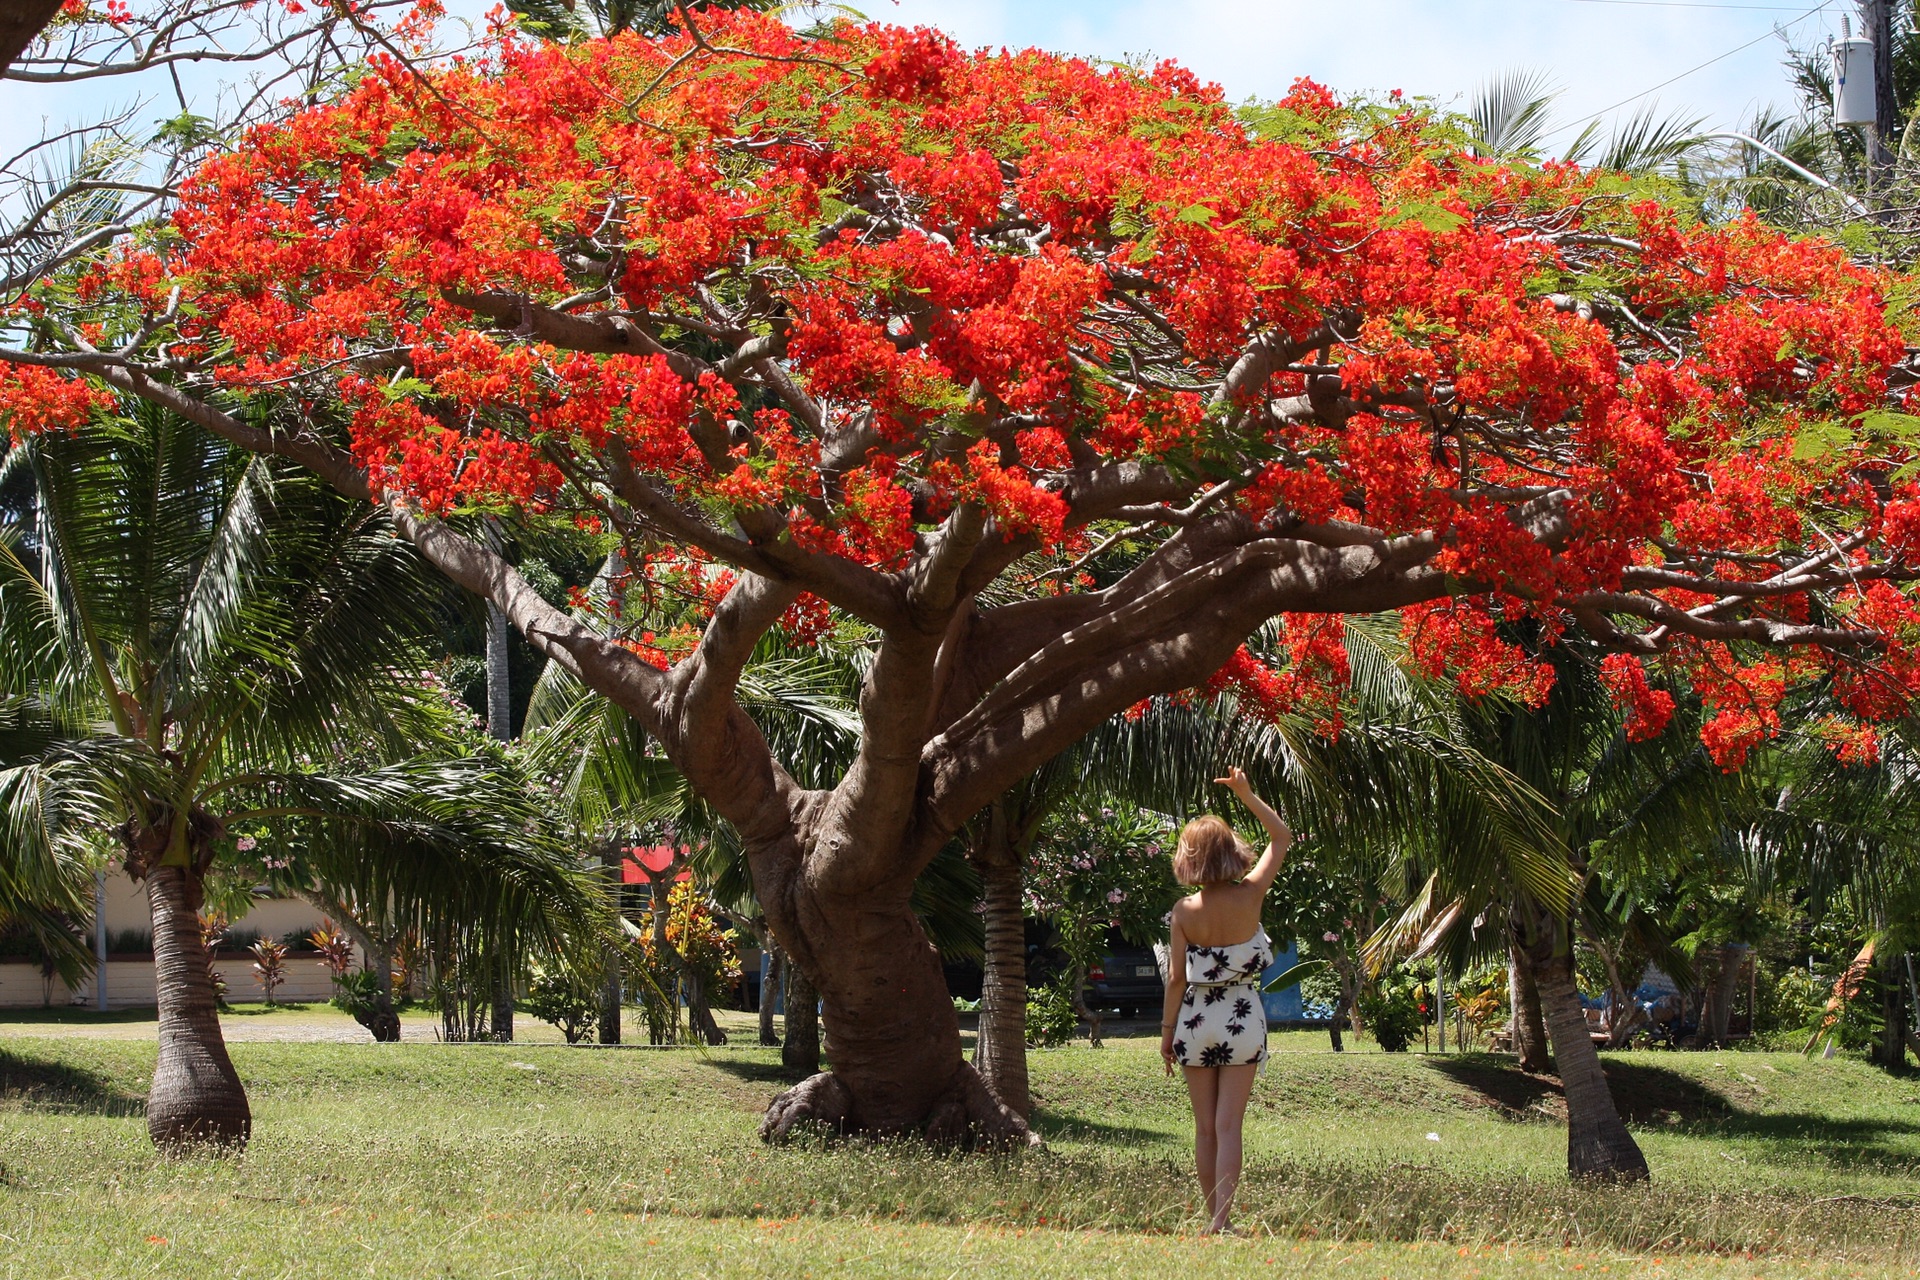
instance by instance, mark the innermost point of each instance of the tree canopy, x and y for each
(1063, 379)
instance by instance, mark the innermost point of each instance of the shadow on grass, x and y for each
(756, 1072)
(1652, 1095)
(60, 1088)
(1054, 1127)
(1644, 1093)
(251, 1010)
(68, 1015)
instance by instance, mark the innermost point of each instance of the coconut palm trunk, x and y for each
(1598, 1144)
(1527, 1028)
(1000, 1051)
(500, 727)
(196, 1098)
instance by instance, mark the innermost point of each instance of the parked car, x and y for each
(1126, 978)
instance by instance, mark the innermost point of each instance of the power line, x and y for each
(1804, 15)
(1698, 4)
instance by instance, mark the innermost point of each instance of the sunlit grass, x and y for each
(423, 1159)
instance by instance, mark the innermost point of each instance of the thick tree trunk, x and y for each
(776, 973)
(196, 1098)
(1529, 1031)
(20, 22)
(800, 1047)
(895, 1039)
(1000, 1052)
(1598, 1144)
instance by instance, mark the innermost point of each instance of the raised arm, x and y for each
(1279, 836)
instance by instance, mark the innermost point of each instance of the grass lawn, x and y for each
(538, 1160)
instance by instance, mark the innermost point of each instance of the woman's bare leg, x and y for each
(1203, 1087)
(1230, 1110)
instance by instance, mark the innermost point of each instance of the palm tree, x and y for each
(222, 643)
(1510, 119)
(1828, 829)
(1626, 814)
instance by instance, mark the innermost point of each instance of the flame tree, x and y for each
(1062, 379)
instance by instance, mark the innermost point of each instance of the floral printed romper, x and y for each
(1222, 1022)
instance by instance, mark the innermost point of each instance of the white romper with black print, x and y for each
(1222, 1022)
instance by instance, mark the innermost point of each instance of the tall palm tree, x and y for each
(222, 643)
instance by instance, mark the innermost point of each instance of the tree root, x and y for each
(820, 1101)
(966, 1115)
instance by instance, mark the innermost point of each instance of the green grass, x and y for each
(538, 1160)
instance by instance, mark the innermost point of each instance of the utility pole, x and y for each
(1877, 17)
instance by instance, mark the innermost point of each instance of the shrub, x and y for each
(565, 1000)
(334, 947)
(270, 965)
(131, 942)
(1391, 1014)
(1051, 1017)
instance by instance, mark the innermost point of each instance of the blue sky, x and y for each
(1604, 54)
(1598, 51)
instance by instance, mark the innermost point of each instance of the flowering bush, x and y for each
(1095, 869)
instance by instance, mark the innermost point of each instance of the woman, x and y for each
(1213, 1025)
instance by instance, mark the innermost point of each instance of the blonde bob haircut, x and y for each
(1209, 853)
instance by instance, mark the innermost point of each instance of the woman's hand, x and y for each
(1236, 782)
(1166, 1049)
(1279, 838)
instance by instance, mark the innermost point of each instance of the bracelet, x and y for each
(1166, 1026)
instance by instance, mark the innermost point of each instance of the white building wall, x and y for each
(129, 980)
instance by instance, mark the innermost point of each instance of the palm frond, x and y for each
(1510, 114)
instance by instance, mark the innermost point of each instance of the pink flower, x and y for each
(1114, 895)
(244, 844)
(1330, 936)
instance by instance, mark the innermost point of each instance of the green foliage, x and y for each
(1295, 975)
(1791, 1006)
(1094, 869)
(357, 994)
(564, 999)
(1391, 1013)
(1052, 1019)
